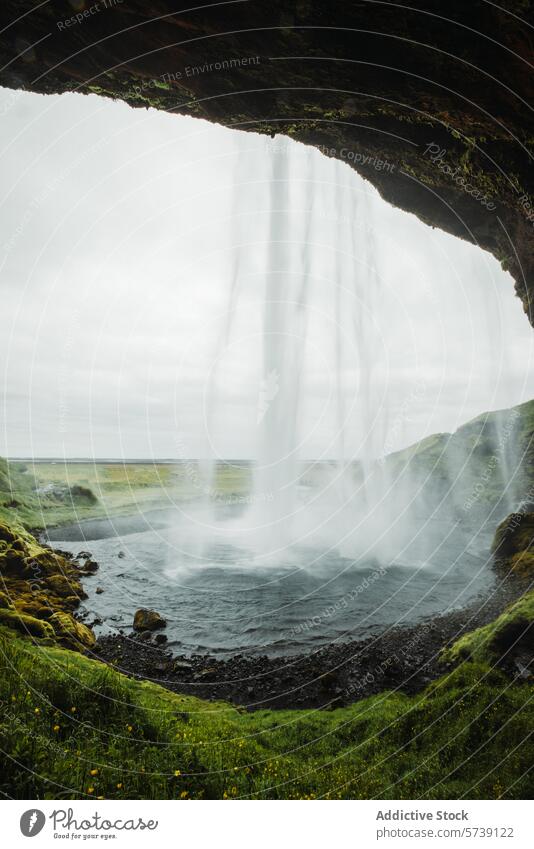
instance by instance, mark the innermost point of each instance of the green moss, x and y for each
(65, 716)
(26, 624)
(73, 633)
(496, 640)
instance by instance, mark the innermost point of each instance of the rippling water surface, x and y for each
(224, 602)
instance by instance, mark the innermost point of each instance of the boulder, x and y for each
(74, 633)
(89, 567)
(148, 620)
(144, 636)
(61, 586)
(26, 624)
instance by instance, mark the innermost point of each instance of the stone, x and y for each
(74, 633)
(182, 666)
(61, 586)
(99, 590)
(206, 674)
(148, 620)
(89, 567)
(26, 624)
(159, 639)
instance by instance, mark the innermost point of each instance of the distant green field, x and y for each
(43, 494)
(492, 454)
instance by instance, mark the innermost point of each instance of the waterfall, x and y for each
(308, 282)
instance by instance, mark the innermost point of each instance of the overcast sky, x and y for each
(129, 236)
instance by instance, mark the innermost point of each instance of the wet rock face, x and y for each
(427, 102)
(513, 544)
(40, 590)
(148, 620)
(73, 633)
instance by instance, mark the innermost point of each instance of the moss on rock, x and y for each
(74, 634)
(506, 636)
(26, 624)
(40, 590)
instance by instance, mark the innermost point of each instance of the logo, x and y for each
(32, 822)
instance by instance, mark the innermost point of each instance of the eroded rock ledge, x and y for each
(40, 590)
(373, 83)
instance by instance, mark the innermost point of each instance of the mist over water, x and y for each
(311, 253)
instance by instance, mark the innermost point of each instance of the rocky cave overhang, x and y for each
(430, 101)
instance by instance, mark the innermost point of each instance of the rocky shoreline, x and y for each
(403, 658)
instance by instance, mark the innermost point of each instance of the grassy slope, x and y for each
(88, 731)
(479, 459)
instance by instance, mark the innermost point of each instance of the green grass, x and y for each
(510, 630)
(74, 728)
